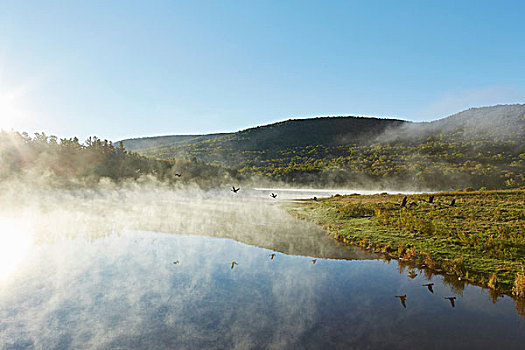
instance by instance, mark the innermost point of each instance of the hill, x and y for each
(148, 143)
(505, 122)
(480, 147)
(327, 131)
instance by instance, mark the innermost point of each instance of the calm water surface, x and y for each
(123, 291)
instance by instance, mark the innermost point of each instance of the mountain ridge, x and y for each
(369, 128)
(478, 147)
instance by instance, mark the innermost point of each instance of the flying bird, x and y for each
(429, 286)
(273, 195)
(451, 300)
(235, 190)
(412, 274)
(176, 262)
(403, 299)
(314, 261)
(404, 203)
(233, 264)
(178, 175)
(272, 256)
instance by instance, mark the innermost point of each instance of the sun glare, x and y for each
(15, 243)
(14, 103)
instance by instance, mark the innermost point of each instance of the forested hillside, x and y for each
(64, 160)
(480, 147)
(154, 142)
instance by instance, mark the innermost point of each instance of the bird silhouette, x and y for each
(273, 195)
(233, 264)
(451, 300)
(412, 274)
(315, 198)
(314, 261)
(431, 199)
(429, 286)
(178, 175)
(404, 203)
(176, 262)
(272, 256)
(453, 203)
(235, 190)
(403, 299)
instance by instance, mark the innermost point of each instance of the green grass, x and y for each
(481, 239)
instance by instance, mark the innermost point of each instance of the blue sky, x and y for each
(119, 69)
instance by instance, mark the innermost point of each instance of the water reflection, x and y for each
(15, 242)
(123, 291)
(245, 217)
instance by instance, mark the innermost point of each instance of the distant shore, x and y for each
(470, 236)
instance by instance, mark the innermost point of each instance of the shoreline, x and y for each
(467, 242)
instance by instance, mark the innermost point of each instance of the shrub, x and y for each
(456, 265)
(519, 285)
(429, 261)
(493, 281)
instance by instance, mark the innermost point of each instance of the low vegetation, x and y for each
(479, 239)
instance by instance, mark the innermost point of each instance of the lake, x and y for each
(119, 288)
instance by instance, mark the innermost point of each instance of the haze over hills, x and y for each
(502, 122)
(480, 147)
(506, 121)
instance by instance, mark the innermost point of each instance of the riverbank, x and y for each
(479, 238)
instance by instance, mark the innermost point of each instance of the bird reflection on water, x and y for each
(429, 286)
(403, 299)
(261, 305)
(451, 299)
(266, 306)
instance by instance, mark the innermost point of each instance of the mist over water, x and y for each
(250, 216)
(94, 268)
(123, 291)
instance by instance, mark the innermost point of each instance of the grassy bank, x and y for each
(479, 239)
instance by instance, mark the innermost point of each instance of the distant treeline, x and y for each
(481, 147)
(65, 159)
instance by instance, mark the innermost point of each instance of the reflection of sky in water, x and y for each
(125, 292)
